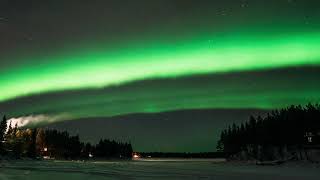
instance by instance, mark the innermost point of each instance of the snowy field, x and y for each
(154, 169)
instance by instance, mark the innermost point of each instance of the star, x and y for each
(223, 13)
(243, 5)
(29, 38)
(2, 19)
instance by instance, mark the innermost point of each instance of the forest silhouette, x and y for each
(33, 143)
(289, 130)
(294, 129)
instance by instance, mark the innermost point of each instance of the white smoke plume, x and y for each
(33, 120)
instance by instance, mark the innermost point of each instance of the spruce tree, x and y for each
(3, 129)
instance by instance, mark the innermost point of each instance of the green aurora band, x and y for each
(263, 89)
(204, 53)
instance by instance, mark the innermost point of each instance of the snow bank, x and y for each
(61, 170)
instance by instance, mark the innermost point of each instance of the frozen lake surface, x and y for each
(154, 169)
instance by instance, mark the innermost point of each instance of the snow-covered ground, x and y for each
(154, 169)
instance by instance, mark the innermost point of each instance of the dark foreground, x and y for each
(154, 169)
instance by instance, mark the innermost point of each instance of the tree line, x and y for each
(294, 127)
(38, 142)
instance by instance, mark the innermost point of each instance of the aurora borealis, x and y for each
(75, 60)
(99, 69)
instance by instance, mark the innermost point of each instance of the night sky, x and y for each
(88, 60)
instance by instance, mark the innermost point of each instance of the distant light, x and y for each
(136, 155)
(45, 149)
(90, 155)
(47, 157)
